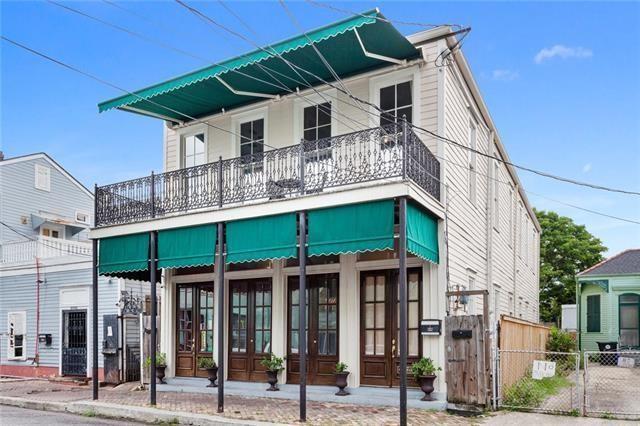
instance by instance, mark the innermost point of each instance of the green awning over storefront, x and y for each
(262, 238)
(126, 253)
(422, 233)
(186, 247)
(351, 229)
(248, 78)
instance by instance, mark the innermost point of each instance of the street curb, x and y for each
(126, 412)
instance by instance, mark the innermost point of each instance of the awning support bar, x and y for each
(242, 93)
(375, 55)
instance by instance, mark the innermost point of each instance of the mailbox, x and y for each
(431, 327)
(45, 339)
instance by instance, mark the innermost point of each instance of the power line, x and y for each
(443, 138)
(387, 20)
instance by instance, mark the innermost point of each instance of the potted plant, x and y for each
(341, 378)
(274, 365)
(424, 373)
(210, 365)
(161, 364)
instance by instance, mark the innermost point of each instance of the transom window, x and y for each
(317, 131)
(396, 101)
(193, 150)
(252, 142)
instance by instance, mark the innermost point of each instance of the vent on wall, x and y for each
(42, 178)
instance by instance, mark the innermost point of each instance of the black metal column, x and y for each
(302, 340)
(154, 313)
(220, 269)
(402, 288)
(94, 322)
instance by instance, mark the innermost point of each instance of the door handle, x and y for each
(393, 348)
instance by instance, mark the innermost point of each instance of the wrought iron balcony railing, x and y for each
(381, 153)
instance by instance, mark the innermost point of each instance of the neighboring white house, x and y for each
(473, 227)
(45, 271)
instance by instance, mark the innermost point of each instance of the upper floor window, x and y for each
(511, 213)
(42, 178)
(472, 160)
(252, 142)
(316, 127)
(395, 102)
(496, 195)
(193, 152)
(50, 231)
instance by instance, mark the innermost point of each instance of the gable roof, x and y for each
(46, 157)
(627, 262)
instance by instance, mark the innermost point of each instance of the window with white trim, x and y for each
(17, 335)
(193, 150)
(252, 144)
(316, 131)
(519, 233)
(396, 101)
(42, 178)
(472, 160)
(511, 213)
(82, 217)
(496, 195)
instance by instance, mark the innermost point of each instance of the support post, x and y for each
(154, 313)
(220, 281)
(94, 321)
(402, 289)
(302, 340)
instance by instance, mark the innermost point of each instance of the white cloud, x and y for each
(563, 52)
(586, 168)
(504, 75)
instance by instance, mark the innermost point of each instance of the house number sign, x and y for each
(431, 327)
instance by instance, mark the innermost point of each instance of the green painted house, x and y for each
(609, 302)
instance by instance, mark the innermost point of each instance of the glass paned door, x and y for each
(250, 308)
(194, 327)
(322, 328)
(629, 320)
(379, 322)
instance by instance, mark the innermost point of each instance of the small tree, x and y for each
(565, 249)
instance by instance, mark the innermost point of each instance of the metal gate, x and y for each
(612, 384)
(539, 381)
(74, 343)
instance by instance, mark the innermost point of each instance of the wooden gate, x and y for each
(467, 368)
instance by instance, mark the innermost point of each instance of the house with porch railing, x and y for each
(286, 186)
(46, 272)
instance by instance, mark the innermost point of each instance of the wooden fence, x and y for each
(529, 339)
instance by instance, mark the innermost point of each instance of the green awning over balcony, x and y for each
(126, 253)
(233, 83)
(352, 228)
(262, 238)
(422, 233)
(186, 247)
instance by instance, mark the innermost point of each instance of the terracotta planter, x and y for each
(426, 385)
(272, 379)
(213, 375)
(160, 373)
(341, 383)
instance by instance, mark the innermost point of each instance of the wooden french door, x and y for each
(194, 327)
(250, 305)
(322, 329)
(379, 318)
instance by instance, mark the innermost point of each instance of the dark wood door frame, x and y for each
(188, 310)
(383, 369)
(320, 367)
(258, 328)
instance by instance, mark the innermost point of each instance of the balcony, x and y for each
(42, 248)
(372, 155)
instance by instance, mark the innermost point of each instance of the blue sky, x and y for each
(562, 81)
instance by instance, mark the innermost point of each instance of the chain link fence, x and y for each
(612, 384)
(539, 381)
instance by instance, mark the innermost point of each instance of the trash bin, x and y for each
(608, 359)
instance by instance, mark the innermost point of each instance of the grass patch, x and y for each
(531, 393)
(89, 413)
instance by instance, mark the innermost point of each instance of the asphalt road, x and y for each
(13, 416)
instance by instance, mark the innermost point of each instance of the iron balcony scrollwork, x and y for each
(359, 157)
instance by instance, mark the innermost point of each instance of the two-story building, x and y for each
(46, 271)
(276, 151)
